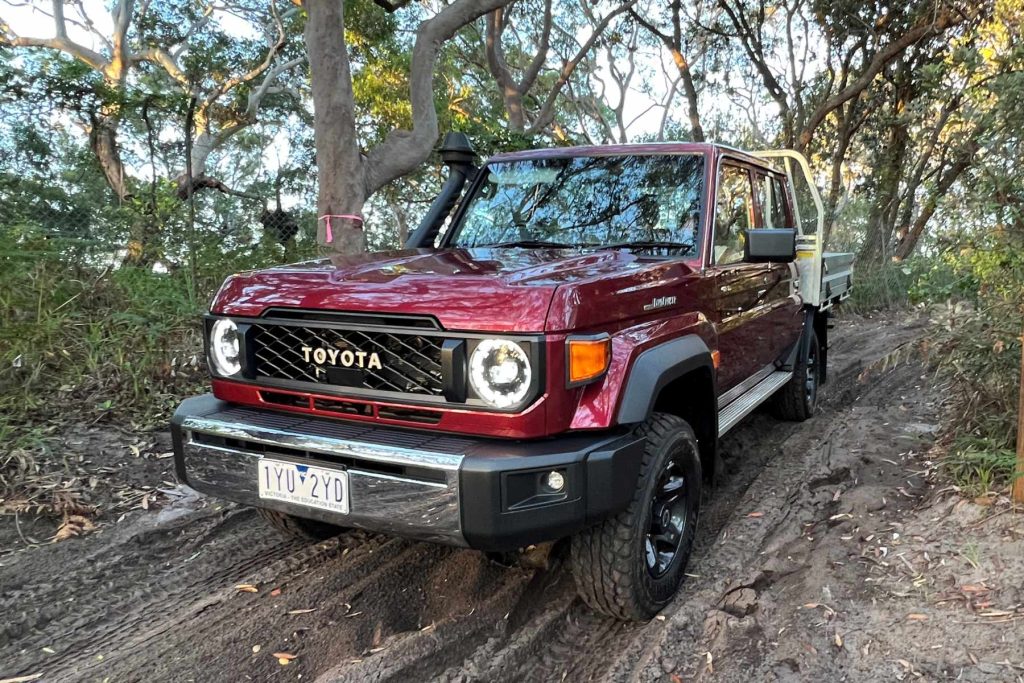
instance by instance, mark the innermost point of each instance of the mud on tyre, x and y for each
(630, 565)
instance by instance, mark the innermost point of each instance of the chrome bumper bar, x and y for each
(408, 485)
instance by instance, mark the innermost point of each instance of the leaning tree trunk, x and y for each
(339, 163)
(103, 140)
(690, 91)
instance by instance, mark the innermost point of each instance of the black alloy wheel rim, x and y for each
(811, 378)
(669, 517)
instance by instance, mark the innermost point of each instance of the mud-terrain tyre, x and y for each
(798, 398)
(612, 561)
(299, 528)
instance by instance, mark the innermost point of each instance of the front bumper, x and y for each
(459, 490)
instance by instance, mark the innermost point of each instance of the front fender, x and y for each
(655, 368)
(603, 404)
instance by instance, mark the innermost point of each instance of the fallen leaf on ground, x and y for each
(256, 648)
(284, 657)
(302, 611)
(247, 588)
(838, 640)
(917, 617)
(274, 593)
(22, 679)
(73, 525)
(756, 514)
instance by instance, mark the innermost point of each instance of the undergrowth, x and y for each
(93, 342)
(978, 345)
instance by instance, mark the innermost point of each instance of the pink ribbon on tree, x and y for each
(327, 222)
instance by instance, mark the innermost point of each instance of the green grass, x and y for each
(978, 466)
(77, 340)
(880, 287)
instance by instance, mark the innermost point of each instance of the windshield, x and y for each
(587, 202)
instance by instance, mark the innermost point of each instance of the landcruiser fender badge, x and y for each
(659, 302)
(344, 358)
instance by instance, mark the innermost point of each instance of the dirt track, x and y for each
(154, 597)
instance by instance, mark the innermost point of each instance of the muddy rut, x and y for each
(155, 596)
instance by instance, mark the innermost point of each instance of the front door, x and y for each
(747, 295)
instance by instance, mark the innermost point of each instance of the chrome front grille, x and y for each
(409, 362)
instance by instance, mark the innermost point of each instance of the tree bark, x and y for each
(103, 140)
(347, 178)
(886, 193)
(908, 242)
(1018, 481)
(690, 91)
(342, 182)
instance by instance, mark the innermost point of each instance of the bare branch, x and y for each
(533, 70)
(403, 150)
(232, 83)
(166, 61)
(122, 16)
(60, 42)
(265, 88)
(547, 113)
(944, 20)
(496, 63)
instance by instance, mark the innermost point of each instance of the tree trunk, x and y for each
(340, 171)
(886, 194)
(690, 90)
(1018, 480)
(103, 139)
(908, 241)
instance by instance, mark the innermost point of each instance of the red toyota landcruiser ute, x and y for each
(557, 357)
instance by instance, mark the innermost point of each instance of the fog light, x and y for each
(554, 481)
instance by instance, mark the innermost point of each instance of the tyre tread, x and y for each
(601, 555)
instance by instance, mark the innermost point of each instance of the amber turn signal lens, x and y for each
(588, 359)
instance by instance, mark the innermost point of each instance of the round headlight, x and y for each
(224, 350)
(499, 371)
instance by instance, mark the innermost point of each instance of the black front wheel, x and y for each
(630, 565)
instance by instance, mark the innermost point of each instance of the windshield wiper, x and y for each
(649, 244)
(534, 244)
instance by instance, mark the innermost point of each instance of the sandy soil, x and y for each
(830, 551)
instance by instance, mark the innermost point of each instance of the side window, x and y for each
(734, 214)
(772, 196)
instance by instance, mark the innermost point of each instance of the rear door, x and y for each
(739, 286)
(781, 307)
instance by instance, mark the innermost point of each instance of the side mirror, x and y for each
(775, 245)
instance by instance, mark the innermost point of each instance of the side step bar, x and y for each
(745, 404)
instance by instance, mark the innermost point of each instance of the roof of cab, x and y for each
(645, 148)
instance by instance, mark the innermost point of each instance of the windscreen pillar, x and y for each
(458, 155)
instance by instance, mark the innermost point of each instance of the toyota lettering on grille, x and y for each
(345, 358)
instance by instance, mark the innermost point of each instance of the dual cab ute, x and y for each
(555, 354)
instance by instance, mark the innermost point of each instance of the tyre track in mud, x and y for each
(561, 639)
(155, 600)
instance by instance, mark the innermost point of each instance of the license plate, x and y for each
(307, 485)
